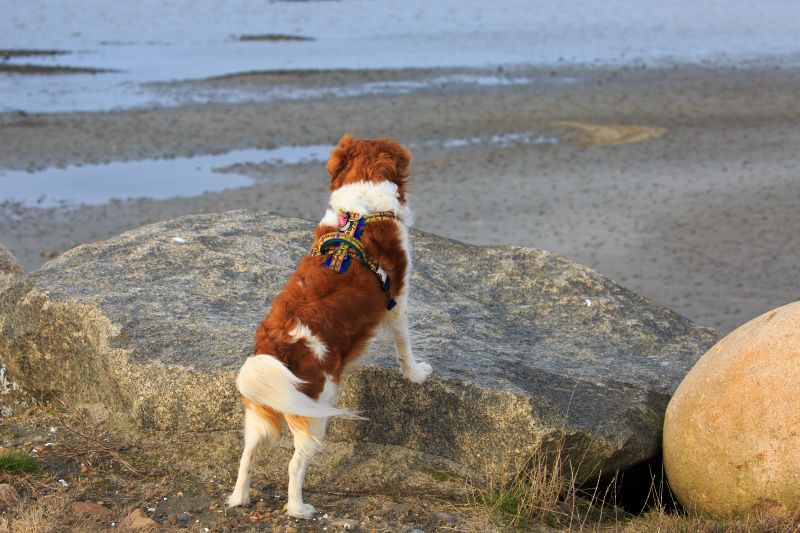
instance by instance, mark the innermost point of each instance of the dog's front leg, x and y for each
(397, 322)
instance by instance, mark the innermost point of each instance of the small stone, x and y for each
(400, 509)
(138, 520)
(90, 509)
(446, 518)
(345, 523)
(183, 517)
(8, 496)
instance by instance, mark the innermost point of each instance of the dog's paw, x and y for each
(235, 500)
(418, 373)
(304, 510)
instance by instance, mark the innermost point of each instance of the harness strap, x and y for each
(378, 216)
(343, 245)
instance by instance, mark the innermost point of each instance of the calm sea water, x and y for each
(164, 40)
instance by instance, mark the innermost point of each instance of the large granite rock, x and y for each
(13, 400)
(9, 268)
(732, 429)
(530, 351)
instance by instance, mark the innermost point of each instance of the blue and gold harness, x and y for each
(343, 245)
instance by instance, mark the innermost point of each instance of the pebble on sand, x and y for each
(90, 509)
(137, 520)
(9, 497)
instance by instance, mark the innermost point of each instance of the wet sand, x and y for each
(695, 202)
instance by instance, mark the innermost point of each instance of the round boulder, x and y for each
(732, 428)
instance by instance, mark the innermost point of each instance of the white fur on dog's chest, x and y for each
(365, 197)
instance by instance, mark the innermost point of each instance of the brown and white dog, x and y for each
(322, 320)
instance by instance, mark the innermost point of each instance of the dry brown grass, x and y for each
(659, 521)
(546, 492)
(40, 515)
(129, 469)
(108, 458)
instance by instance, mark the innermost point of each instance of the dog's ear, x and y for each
(402, 160)
(339, 156)
(395, 166)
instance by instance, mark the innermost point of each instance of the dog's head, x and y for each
(370, 160)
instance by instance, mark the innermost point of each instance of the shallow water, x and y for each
(176, 95)
(157, 179)
(187, 176)
(113, 91)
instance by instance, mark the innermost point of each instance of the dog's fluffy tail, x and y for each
(266, 381)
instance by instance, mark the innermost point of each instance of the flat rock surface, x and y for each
(530, 351)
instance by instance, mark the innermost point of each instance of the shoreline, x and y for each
(699, 219)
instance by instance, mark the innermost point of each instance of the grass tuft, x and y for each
(43, 515)
(543, 490)
(439, 475)
(18, 462)
(546, 492)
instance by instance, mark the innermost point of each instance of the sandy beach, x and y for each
(680, 183)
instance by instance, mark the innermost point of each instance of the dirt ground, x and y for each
(181, 482)
(95, 470)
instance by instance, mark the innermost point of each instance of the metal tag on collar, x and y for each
(343, 220)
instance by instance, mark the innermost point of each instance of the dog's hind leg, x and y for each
(260, 423)
(397, 322)
(308, 434)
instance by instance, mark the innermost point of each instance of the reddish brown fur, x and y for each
(298, 423)
(374, 160)
(343, 310)
(270, 415)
